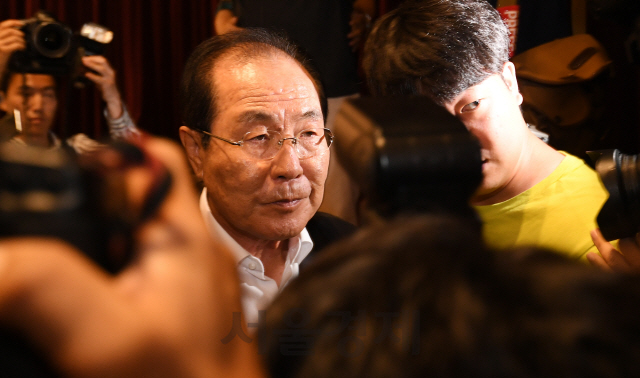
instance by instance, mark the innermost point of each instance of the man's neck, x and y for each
(274, 260)
(36, 140)
(537, 162)
(273, 254)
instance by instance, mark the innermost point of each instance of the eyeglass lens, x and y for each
(265, 144)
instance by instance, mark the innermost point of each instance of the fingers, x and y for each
(629, 247)
(105, 75)
(611, 257)
(632, 252)
(596, 260)
(225, 21)
(231, 26)
(11, 38)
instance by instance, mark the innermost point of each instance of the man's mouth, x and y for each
(287, 202)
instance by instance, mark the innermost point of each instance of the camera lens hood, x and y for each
(51, 39)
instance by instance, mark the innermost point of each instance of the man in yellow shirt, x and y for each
(456, 53)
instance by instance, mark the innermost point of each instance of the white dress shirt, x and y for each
(257, 290)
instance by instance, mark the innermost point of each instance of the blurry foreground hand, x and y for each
(163, 316)
(626, 260)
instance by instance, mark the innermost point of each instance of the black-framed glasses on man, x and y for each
(264, 144)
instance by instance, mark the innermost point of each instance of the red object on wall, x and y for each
(510, 15)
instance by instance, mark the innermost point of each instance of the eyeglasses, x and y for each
(265, 144)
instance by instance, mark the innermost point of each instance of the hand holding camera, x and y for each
(11, 40)
(103, 76)
(619, 217)
(43, 45)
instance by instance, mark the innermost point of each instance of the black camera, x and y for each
(408, 155)
(620, 175)
(77, 199)
(45, 192)
(53, 49)
(81, 199)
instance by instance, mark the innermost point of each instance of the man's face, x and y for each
(262, 199)
(490, 111)
(35, 98)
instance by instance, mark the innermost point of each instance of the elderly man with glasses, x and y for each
(254, 133)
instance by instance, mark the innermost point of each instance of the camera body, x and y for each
(620, 175)
(53, 49)
(408, 155)
(46, 192)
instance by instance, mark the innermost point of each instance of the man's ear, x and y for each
(195, 151)
(509, 77)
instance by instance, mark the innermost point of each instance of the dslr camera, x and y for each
(53, 49)
(55, 193)
(620, 175)
(408, 155)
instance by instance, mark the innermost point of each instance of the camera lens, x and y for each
(620, 174)
(52, 40)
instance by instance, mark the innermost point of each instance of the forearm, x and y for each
(121, 127)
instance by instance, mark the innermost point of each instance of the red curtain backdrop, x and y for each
(152, 40)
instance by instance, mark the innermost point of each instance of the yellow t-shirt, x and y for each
(557, 213)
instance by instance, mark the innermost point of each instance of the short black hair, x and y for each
(5, 78)
(197, 93)
(436, 48)
(8, 74)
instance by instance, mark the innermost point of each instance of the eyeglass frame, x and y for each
(294, 140)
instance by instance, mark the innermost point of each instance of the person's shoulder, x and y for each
(325, 229)
(573, 162)
(576, 174)
(329, 225)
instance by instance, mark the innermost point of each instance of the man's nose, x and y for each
(35, 102)
(286, 163)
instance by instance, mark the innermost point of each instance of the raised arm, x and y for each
(121, 126)
(11, 40)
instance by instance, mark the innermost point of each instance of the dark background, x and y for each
(153, 38)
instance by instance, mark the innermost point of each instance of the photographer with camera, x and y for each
(456, 53)
(34, 94)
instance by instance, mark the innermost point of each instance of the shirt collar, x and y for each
(299, 246)
(55, 141)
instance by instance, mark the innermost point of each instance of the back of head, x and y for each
(436, 48)
(358, 293)
(421, 297)
(197, 89)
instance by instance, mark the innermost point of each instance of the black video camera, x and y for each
(620, 175)
(53, 49)
(408, 155)
(77, 199)
(81, 199)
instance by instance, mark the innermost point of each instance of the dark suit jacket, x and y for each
(324, 230)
